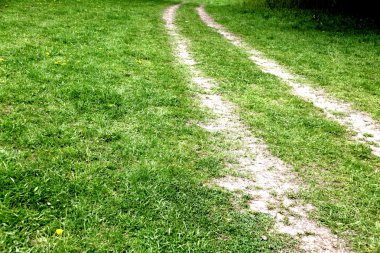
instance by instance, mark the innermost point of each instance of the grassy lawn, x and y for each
(336, 53)
(342, 177)
(95, 139)
(97, 133)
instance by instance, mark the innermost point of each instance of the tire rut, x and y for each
(270, 181)
(366, 129)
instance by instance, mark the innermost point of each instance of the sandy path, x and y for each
(270, 180)
(366, 129)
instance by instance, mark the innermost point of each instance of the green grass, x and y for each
(95, 138)
(342, 177)
(338, 53)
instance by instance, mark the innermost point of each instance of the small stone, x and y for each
(264, 238)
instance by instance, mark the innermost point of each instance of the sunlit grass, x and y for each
(338, 53)
(97, 149)
(341, 177)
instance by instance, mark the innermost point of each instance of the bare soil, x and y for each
(366, 129)
(268, 180)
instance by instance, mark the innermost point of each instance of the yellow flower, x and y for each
(59, 231)
(59, 62)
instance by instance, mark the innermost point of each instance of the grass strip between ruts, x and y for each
(95, 138)
(342, 176)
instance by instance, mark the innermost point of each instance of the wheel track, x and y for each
(273, 179)
(366, 129)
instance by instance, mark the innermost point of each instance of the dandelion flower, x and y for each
(59, 231)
